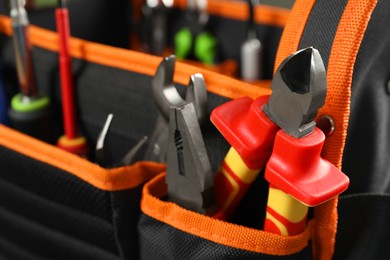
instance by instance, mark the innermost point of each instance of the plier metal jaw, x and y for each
(190, 178)
(166, 96)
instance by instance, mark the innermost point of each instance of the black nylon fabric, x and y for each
(93, 20)
(125, 213)
(49, 182)
(161, 241)
(47, 243)
(321, 26)
(52, 213)
(15, 252)
(363, 227)
(57, 217)
(367, 151)
(54, 222)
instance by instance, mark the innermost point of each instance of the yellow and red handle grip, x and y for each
(284, 214)
(77, 145)
(299, 178)
(251, 134)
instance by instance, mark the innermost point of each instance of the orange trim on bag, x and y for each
(215, 230)
(139, 62)
(266, 15)
(120, 178)
(345, 48)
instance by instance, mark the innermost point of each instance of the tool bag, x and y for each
(351, 41)
(56, 205)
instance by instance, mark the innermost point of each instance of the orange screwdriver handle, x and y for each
(251, 134)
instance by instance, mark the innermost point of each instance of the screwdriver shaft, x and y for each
(22, 47)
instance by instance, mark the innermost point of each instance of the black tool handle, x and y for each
(37, 123)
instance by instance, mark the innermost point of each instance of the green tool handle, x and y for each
(33, 118)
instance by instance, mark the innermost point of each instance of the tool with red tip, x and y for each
(71, 141)
(299, 177)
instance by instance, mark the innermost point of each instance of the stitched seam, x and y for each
(254, 246)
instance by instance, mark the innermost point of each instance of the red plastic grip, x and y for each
(296, 167)
(247, 128)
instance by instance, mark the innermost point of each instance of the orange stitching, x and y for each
(172, 220)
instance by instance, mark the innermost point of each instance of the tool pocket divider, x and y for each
(169, 231)
(55, 204)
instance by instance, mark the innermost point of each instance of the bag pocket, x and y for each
(59, 206)
(167, 231)
(363, 227)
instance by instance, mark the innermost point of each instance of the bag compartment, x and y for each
(58, 205)
(168, 231)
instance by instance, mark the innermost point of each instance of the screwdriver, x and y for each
(70, 141)
(251, 49)
(29, 112)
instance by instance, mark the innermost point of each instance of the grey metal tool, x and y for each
(251, 49)
(101, 156)
(156, 33)
(190, 178)
(104, 159)
(298, 91)
(22, 46)
(166, 96)
(134, 154)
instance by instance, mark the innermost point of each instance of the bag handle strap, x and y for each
(345, 48)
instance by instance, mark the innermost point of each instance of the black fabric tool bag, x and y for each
(56, 205)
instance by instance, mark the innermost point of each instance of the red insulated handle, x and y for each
(297, 168)
(251, 134)
(247, 128)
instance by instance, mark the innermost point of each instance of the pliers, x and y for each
(190, 178)
(166, 96)
(282, 125)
